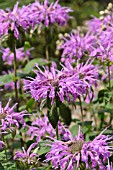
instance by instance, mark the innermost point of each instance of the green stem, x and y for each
(82, 167)
(109, 76)
(15, 77)
(95, 119)
(47, 53)
(109, 80)
(46, 46)
(91, 108)
(81, 109)
(4, 146)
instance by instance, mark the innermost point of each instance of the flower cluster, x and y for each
(17, 18)
(41, 128)
(26, 156)
(96, 25)
(9, 118)
(76, 46)
(71, 154)
(28, 16)
(69, 81)
(49, 13)
(103, 48)
(8, 56)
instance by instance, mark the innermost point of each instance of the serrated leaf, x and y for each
(29, 66)
(65, 113)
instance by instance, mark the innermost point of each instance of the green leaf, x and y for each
(43, 150)
(4, 79)
(53, 116)
(65, 113)
(29, 66)
(109, 106)
(74, 130)
(1, 167)
(30, 104)
(9, 165)
(44, 168)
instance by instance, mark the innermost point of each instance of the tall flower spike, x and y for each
(9, 118)
(69, 155)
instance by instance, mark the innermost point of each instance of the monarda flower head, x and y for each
(103, 49)
(18, 17)
(10, 118)
(41, 128)
(69, 83)
(8, 56)
(26, 156)
(51, 13)
(76, 46)
(77, 152)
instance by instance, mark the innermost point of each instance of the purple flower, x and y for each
(70, 155)
(19, 17)
(9, 118)
(94, 25)
(103, 48)
(8, 56)
(109, 167)
(51, 13)
(68, 81)
(27, 156)
(41, 128)
(10, 86)
(76, 46)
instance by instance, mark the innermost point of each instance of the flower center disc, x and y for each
(76, 146)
